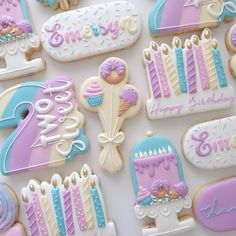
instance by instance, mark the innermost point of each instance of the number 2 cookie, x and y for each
(49, 129)
(91, 31)
(159, 185)
(186, 78)
(211, 145)
(167, 17)
(17, 41)
(72, 205)
(114, 100)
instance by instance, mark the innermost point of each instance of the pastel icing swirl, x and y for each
(8, 208)
(233, 37)
(94, 90)
(143, 194)
(129, 96)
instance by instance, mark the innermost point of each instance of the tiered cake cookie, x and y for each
(48, 127)
(73, 206)
(186, 78)
(159, 185)
(17, 40)
(167, 17)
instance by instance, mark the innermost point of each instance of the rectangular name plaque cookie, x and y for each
(91, 31)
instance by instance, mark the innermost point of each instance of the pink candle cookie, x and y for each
(159, 185)
(114, 100)
(70, 206)
(215, 205)
(17, 40)
(167, 17)
(49, 129)
(91, 31)
(186, 78)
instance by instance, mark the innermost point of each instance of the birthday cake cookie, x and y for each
(70, 206)
(186, 78)
(48, 127)
(17, 41)
(167, 17)
(159, 185)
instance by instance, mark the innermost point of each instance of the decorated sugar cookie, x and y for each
(114, 100)
(49, 129)
(70, 206)
(231, 45)
(17, 41)
(56, 4)
(211, 145)
(186, 78)
(91, 31)
(215, 204)
(189, 15)
(9, 211)
(159, 185)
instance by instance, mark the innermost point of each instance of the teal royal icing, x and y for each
(58, 211)
(98, 208)
(228, 10)
(51, 3)
(25, 10)
(219, 68)
(181, 69)
(155, 17)
(150, 143)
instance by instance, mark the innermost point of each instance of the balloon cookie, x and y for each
(215, 205)
(65, 5)
(189, 15)
(91, 31)
(231, 45)
(186, 78)
(159, 185)
(17, 40)
(9, 211)
(211, 145)
(70, 206)
(114, 100)
(49, 129)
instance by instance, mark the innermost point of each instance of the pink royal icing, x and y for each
(16, 230)
(94, 90)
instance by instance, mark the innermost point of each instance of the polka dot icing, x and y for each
(8, 208)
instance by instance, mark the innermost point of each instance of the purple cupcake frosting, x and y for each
(24, 26)
(130, 96)
(181, 188)
(110, 65)
(6, 21)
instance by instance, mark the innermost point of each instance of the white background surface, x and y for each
(117, 189)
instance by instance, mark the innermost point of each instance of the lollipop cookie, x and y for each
(9, 211)
(17, 40)
(114, 100)
(160, 188)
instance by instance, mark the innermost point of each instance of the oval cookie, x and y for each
(215, 206)
(91, 31)
(211, 145)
